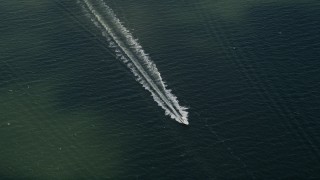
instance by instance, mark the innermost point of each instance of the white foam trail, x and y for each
(131, 53)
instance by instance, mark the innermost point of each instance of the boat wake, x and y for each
(129, 51)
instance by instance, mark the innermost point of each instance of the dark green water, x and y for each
(248, 70)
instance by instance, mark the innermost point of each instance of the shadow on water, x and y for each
(285, 50)
(247, 77)
(270, 103)
(70, 109)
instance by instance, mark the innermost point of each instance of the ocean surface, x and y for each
(248, 71)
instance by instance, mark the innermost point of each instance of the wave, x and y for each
(130, 52)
